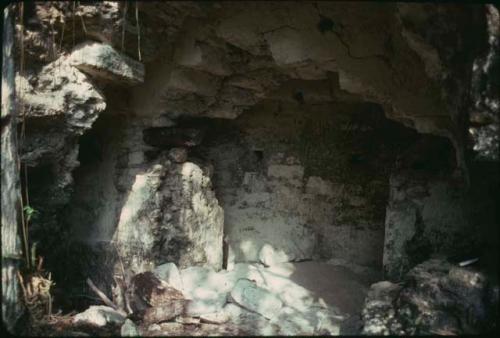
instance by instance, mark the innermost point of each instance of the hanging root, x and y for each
(83, 25)
(20, 92)
(123, 24)
(138, 30)
(62, 36)
(36, 293)
(74, 5)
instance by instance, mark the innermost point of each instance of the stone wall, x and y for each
(135, 205)
(430, 212)
(304, 181)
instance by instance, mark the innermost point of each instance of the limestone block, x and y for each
(205, 287)
(63, 90)
(285, 171)
(166, 311)
(269, 257)
(99, 315)
(129, 329)
(190, 53)
(104, 62)
(189, 80)
(318, 186)
(254, 298)
(204, 307)
(250, 321)
(215, 318)
(148, 290)
(290, 46)
(312, 321)
(169, 273)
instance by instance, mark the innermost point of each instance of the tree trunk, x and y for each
(11, 193)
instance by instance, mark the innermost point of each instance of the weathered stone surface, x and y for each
(250, 322)
(153, 291)
(61, 103)
(190, 233)
(129, 239)
(202, 306)
(428, 214)
(187, 320)
(206, 289)
(484, 126)
(129, 329)
(435, 297)
(169, 273)
(62, 90)
(379, 314)
(215, 318)
(268, 256)
(99, 315)
(253, 298)
(105, 63)
(202, 329)
(313, 321)
(166, 311)
(281, 203)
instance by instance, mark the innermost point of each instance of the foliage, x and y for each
(30, 213)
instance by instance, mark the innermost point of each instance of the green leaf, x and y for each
(30, 212)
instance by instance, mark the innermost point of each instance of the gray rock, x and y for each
(104, 62)
(169, 273)
(254, 298)
(215, 318)
(200, 307)
(61, 89)
(250, 322)
(166, 311)
(311, 321)
(435, 297)
(268, 256)
(379, 311)
(197, 277)
(99, 315)
(205, 288)
(192, 235)
(129, 329)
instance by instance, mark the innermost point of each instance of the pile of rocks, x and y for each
(250, 299)
(435, 297)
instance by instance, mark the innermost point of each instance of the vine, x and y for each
(125, 7)
(138, 30)
(35, 284)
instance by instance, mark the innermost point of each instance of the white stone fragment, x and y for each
(254, 298)
(99, 315)
(215, 318)
(169, 273)
(269, 257)
(205, 288)
(129, 329)
(104, 62)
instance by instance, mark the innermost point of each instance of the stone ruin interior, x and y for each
(260, 168)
